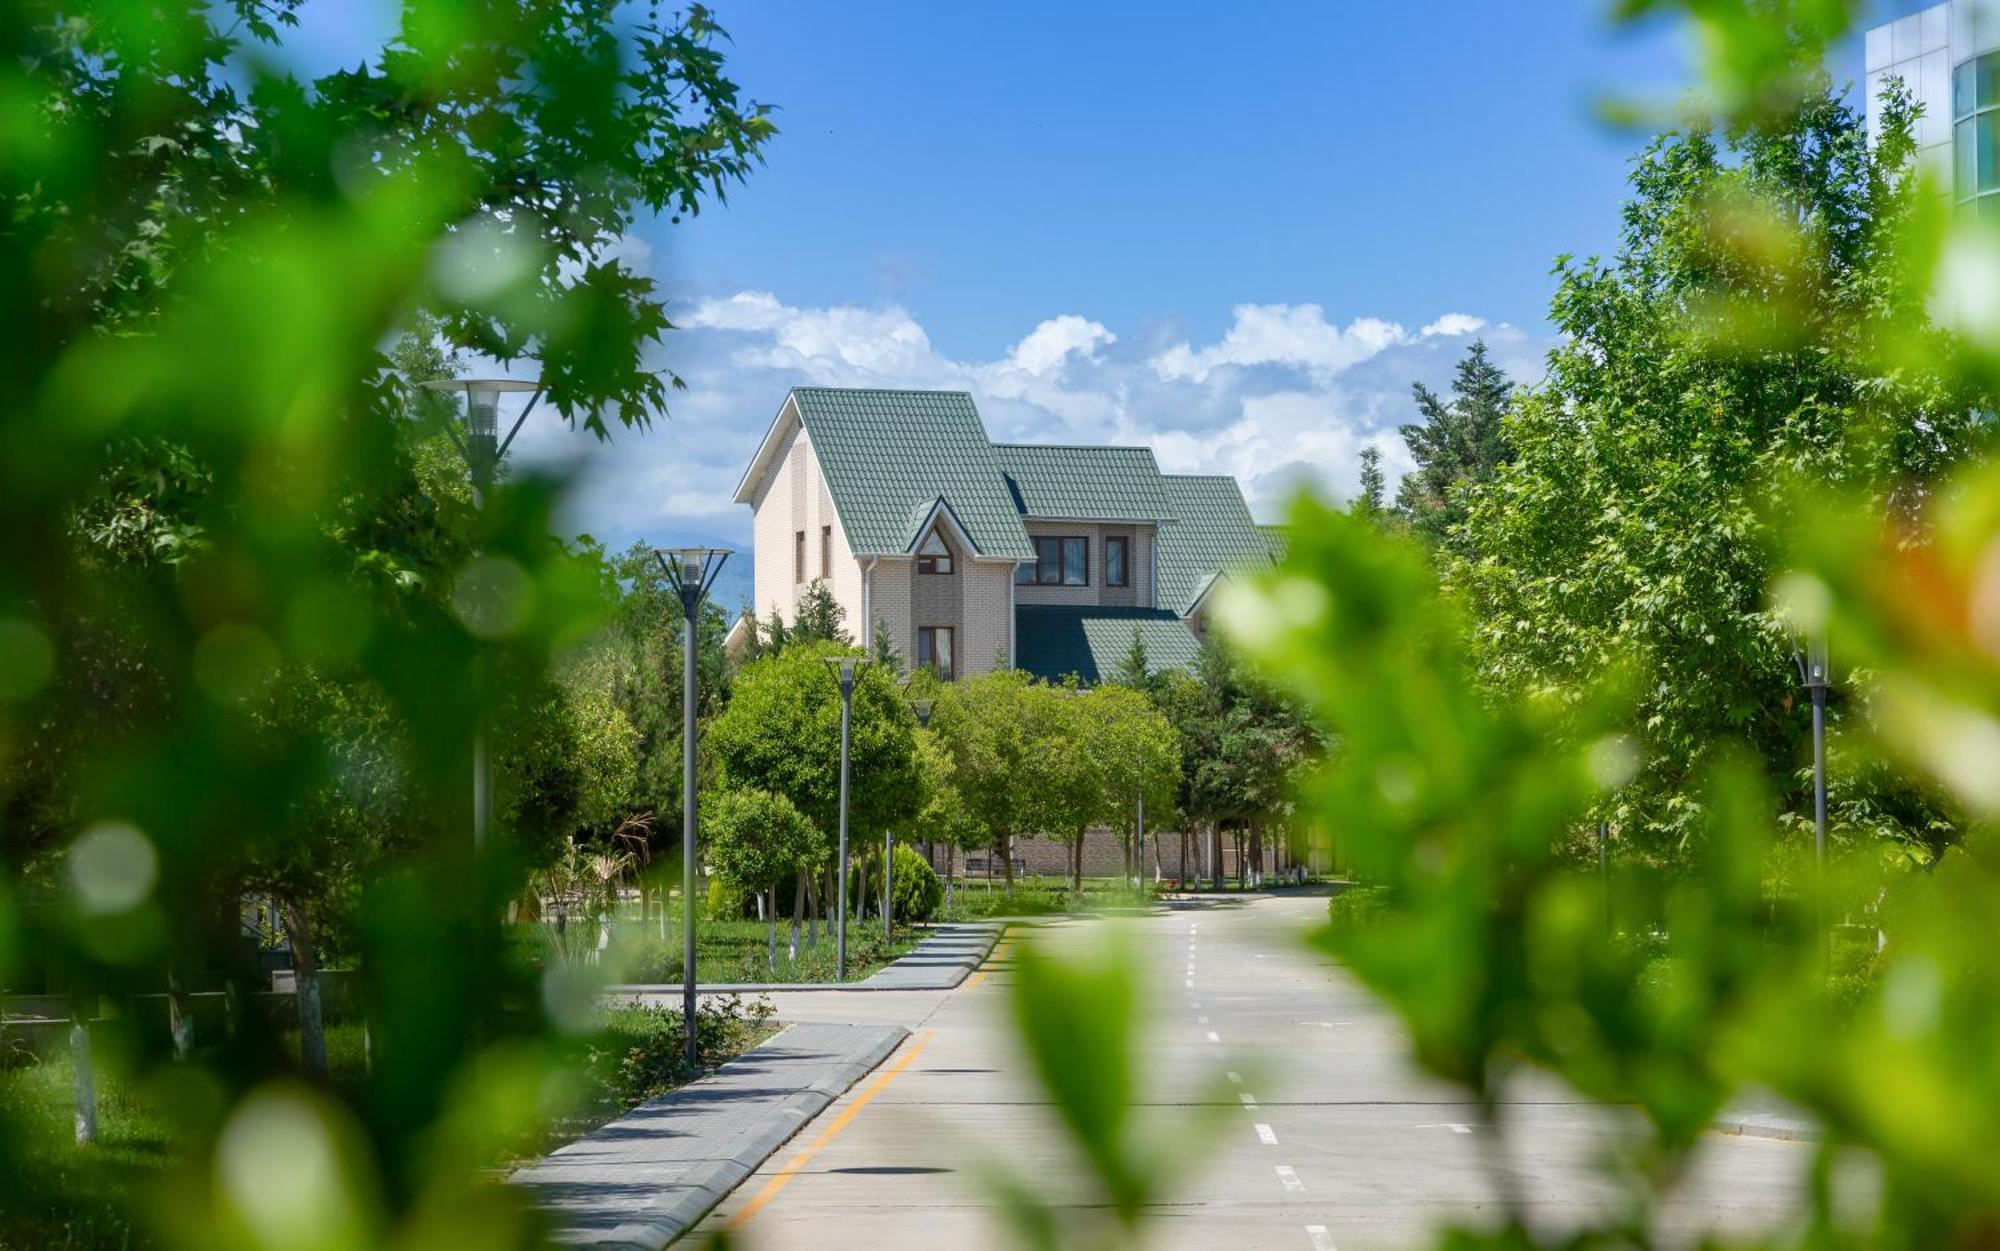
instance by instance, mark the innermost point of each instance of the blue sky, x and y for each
(1235, 235)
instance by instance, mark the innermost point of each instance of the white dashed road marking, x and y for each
(1237, 1078)
(1249, 1101)
(1288, 1177)
(1453, 1126)
(1321, 1240)
(1214, 1037)
(1265, 1135)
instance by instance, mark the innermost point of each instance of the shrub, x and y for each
(918, 890)
(729, 902)
(1357, 905)
(637, 1055)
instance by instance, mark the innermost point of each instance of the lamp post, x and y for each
(844, 669)
(1812, 668)
(922, 707)
(482, 448)
(690, 572)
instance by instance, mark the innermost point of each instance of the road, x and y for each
(1334, 1141)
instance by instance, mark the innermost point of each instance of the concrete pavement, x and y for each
(1333, 1140)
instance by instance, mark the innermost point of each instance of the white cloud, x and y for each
(1284, 397)
(1297, 335)
(1454, 324)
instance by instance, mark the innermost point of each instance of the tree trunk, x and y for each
(950, 875)
(1076, 864)
(798, 911)
(767, 903)
(180, 1013)
(305, 972)
(812, 913)
(1007, 858)
(86, 1077)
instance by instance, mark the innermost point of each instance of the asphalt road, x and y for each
(1325, 1137)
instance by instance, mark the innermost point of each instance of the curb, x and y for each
(957, 975)
(701, 1189)
(1755, 1125)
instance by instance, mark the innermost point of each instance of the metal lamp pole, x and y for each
(482, 448)
(690, 572)
(1812, 667)
(844, 668)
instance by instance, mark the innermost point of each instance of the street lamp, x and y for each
(844, 669)
(1812, 668)
(482, 448)
(690, 572)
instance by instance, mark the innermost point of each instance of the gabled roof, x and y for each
(1055, 640)
(889, 457)
(1212, 531)
(1077, 483)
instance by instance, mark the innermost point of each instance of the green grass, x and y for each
(86, 1197)
(1043, 896)
(735, 951)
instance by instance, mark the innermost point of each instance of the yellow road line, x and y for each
(985, 970)
(796, 1165)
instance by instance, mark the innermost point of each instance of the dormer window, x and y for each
(933, 556)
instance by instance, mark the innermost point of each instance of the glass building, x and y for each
(1948, 56)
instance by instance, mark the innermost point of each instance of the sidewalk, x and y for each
(646, 1178)
(940, 962)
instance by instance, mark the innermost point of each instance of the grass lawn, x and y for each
(64, 1197)
(732, 951)
(1043, 896)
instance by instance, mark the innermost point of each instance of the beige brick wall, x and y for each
(889, 601)
(988, 617)
(795, 498)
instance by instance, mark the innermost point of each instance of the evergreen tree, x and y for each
(1370, 501)
(1135, 670)
(884, 648)
(1459, 440)
(775, 635)
(820, 617)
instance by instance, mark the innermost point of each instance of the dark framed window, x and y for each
(826, 551)
(933, 556)
(1117, 562)
(935, 652)
(1062, 561)
(799, 557)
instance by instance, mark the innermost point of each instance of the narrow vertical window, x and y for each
(799, 557)
(1076, 562)
(1115, 561)
(826, 552)
(934, 651)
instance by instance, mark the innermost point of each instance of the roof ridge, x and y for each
(884, 390)
(1081, 447)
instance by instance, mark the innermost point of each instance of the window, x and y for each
(1115, 563)
(934, 650)
(826, 551)
(1060, 562)
(1975, 133)
(933, 556)
(799, 557)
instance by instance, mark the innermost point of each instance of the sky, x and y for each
(1236, 234)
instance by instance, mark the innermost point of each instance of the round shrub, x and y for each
(918, 890)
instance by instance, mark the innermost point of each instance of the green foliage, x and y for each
(263, 616)
(781, 734)
(1736, 339)
(1459, 442)
(1369, 502)
(820, 618)
(639, 1052)
(758, 839)
(918, 890)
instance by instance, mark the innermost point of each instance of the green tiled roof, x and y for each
(889, 455)
(1098, 483)
(1212, 530)
(1054, 641)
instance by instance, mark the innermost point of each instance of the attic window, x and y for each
(933, 556)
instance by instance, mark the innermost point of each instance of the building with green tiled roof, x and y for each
(972, 555)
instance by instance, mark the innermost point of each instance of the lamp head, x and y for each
(691, 572)
(844, 669)
(923, 708)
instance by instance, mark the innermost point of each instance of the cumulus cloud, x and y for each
(1284, 397)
